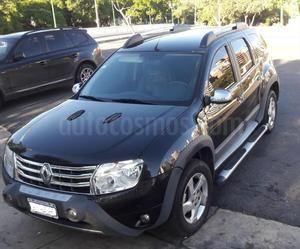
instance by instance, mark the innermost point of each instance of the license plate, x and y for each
(43, 208)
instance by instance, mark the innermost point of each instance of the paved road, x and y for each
(266, 185)
(268, 182)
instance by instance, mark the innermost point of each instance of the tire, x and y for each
(270, 115)
(84, 72)
(1, 102)
(179, 223)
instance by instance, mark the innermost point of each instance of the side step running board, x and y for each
(234, 160)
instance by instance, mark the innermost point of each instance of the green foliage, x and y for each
(184, 11)
(149, 10)
(82, 12)
(17, 15)
(251, 12)
(8, 16)
(40, 12)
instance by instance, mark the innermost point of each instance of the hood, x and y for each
(82, 132)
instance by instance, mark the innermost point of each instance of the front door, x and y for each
(223, 119)
(31, 70)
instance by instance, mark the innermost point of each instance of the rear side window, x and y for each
(258, 43)
(78, 37)
(31, 46)
(56, 41)
(221, 73)
(242, 54)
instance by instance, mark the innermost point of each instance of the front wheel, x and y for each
(1, 101)
(192, 201)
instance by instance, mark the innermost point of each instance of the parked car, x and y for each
(143, 141)
(41, 59)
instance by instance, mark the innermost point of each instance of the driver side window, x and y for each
(221, 73)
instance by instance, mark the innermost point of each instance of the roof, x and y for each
(20, 34)
(195, 40)
(15, 35)
(183, 41)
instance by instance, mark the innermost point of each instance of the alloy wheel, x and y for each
(195, 198)
(85, 74)
(271, 113)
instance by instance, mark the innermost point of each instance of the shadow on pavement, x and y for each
(267, 183)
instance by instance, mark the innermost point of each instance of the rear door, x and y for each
(249, 73)
(223, 119)
(31, 71)
(63, 57)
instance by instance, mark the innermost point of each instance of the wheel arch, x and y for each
(201, 148)
(272, 85)
(275, 88)
(206, 154)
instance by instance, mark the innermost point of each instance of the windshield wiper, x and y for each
(133, 101)
(93, 98)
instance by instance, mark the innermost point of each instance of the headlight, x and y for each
(9, 161)
(113, 177)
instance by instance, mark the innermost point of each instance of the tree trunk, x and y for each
(246, 19)
(252, 21)
(120, 10)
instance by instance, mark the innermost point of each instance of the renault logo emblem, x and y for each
(46, 173)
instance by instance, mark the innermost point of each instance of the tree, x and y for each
(149, 10)
(183, 11)
(122, 6)
(39, 11)
(8, 16)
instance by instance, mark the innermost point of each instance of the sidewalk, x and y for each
(228, 229)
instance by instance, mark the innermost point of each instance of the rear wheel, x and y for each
(1, 101)
(192, 201)
(84, 72)
(271, 111)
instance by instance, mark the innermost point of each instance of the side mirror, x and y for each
(76, 87)
(19, 56)
(221, 96)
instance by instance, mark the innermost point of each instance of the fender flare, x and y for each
(195, 146)
(271, 82)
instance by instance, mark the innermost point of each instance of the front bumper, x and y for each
(91, 216)
(95, 214)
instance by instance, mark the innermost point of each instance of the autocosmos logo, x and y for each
(46, 173)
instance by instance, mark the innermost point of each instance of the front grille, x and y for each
(64, 178)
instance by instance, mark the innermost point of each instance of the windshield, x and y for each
(5, 45)
(149, 77)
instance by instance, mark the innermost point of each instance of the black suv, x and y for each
(35, 60)
(144, 139)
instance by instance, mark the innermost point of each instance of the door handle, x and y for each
(43, 63)
(240, 98)
(74, 55)
(258, 77)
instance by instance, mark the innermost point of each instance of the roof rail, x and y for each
(133, 41)
(207, 39)
(212, 35)
(49, 29)
(240, 25)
